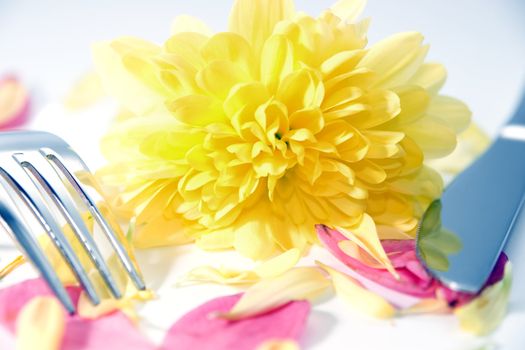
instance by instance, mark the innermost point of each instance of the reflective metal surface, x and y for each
(481, 206)
(40, 174)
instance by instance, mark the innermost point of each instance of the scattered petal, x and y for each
(14, 103)
(484, 314)
(198, 330)
(110, 331)
(278, 265)
(40, 324)
(301, 283)
(357, 296)
(279, 345)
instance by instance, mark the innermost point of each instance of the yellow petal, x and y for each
(86, 309)
(220, 76)
(253, 239)
(395, 59)
(256, 19)
(233, 48)
(162, 231)
(279, 345)
(365, 235)
(357, 296)
(430, 76)
(451, 111)
(278, 265)
(121, 84)
(471, 143)
(198, 110)
(302, 89)
(426, 306)
(433, 137)
(186, 23)
(188, 46)
(208, 274)
(40, 325)
(348, 10)
(216, 240)
(276, 61)
(484, 314)
(297, 284)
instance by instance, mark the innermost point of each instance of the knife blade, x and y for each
(480, 207)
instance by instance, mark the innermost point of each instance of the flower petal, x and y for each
(219, 77)
(430, 76)
(256, 19)
(197, 110)
(451, 111)
(120, 83)
(348, 10)
(395, 59)
(186, 23)
(113, 331)
(277, 61)
(197, 330)
(300, 283)
(40, 324)
(357, 296)
(484, 314)
(278, 265)
(14, 103)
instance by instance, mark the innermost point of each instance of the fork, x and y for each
(41, 177)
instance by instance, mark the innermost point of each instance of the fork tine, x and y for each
(49, 181)
(122, 254)
(29, 244)
(48, 223)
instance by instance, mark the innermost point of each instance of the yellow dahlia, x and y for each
(250, 137)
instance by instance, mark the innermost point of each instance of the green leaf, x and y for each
(435, 242)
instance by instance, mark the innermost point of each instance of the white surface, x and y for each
(481, 42)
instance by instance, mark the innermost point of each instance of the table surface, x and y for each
(481, 43)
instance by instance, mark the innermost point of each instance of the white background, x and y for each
(482, 43)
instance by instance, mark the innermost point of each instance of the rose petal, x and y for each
(14, 103)
(408, 282)
(413, 280)
(14, 298)
(197, 330)
(113, 331)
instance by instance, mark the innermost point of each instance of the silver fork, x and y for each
(40, 174)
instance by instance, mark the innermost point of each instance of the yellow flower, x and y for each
(248, 138)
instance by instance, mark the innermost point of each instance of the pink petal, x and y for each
(413, 279)
(408, 283)
(14, 103)
(13, 299)
(197, 330)
(110, 332)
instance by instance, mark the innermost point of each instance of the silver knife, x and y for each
(480, 207)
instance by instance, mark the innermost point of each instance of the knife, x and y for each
(480, 206)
